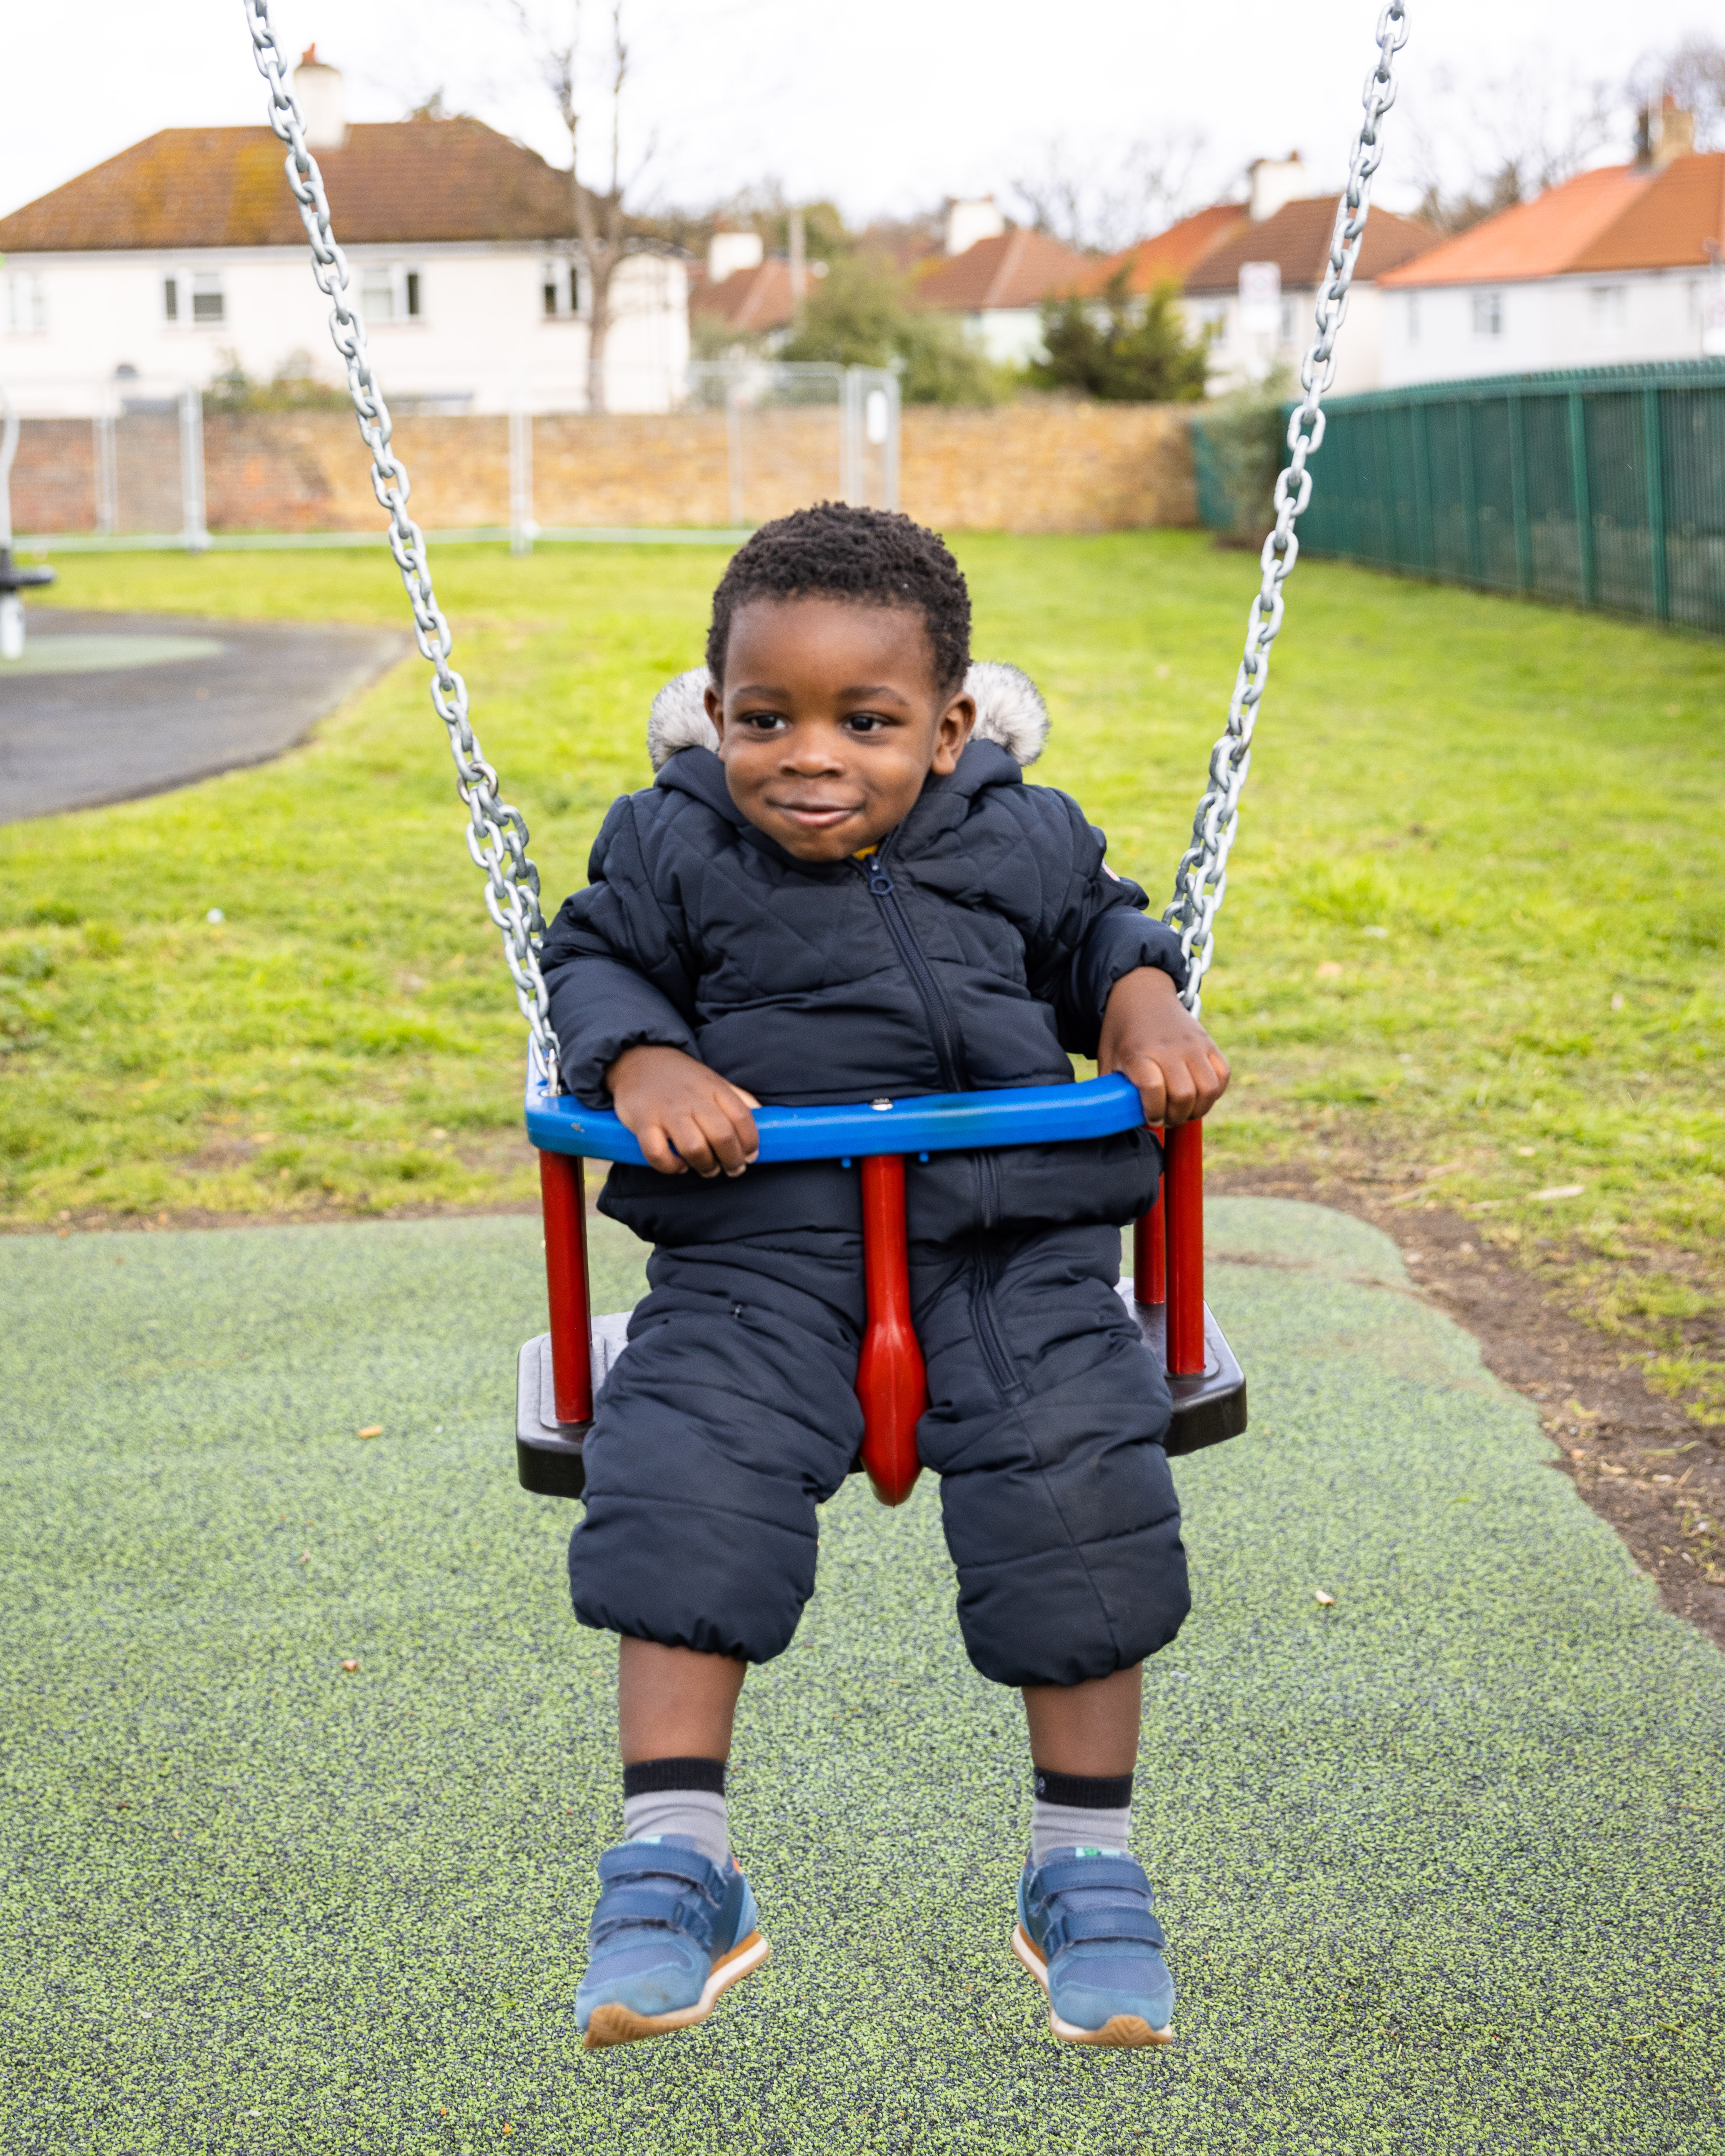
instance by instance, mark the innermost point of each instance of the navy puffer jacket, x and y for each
(974, 950)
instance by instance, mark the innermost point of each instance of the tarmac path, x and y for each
(1442, 1865)
(107, 706)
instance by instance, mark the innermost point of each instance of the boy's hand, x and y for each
(683, 1115)
(1149, 1036)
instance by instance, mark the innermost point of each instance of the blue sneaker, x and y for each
(1088, 1933)
(671, 1932)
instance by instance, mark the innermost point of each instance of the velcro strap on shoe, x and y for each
(1124, 1926)
(1084, 1872)
(649, 1860)
(640, 1907)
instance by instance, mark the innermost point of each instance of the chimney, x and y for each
(968, 221)
(1676, 133)
(1275, 181)
(728, 252)
(318, 87)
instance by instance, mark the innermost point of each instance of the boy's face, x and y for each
(830, 720)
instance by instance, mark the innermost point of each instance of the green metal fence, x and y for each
(1604, 487)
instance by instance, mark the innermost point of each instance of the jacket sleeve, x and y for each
(1096, 926)
(617, 963)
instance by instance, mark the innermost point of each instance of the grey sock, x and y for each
(1077, 1826)
(696, 1813)
(1079, 1811)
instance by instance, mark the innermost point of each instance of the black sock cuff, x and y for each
(646, 1777)
(1089, 1793)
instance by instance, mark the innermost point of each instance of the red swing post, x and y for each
(1168, 1250)
(1149, 1252)
(891, 1379)
(563, 1201)
(1182, 1200)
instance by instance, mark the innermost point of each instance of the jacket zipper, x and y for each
(941, 1024)
(982, 1307)
(949, 1055)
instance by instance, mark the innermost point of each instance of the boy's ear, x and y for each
(952, 731)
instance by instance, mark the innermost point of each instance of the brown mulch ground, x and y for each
(1643, 1465)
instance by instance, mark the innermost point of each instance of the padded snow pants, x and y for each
(732, 1415)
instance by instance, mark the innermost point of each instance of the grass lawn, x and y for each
(1476, 927)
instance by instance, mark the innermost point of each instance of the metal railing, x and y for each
(1602, 488)
(137, 464)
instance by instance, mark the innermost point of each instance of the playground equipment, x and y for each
(559, 1373)
(12, 579)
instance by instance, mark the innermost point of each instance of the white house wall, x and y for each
(482, 342)
(1011, 336)
(1236, 359)
(1439, 334)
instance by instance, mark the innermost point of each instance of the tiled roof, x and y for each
(1297, 239)
(403, 181)
(1014, 269)
(1170, 256)
(1619, 217)
(749, 301)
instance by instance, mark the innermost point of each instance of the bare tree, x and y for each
(602, 222)
(1102, 201)
(1692, 75)
(1483, 145)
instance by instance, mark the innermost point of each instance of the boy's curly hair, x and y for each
(874, 557)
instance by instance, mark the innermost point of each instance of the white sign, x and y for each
(1260, 299)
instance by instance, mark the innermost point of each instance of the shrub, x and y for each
(1120, 348)
(861, 315)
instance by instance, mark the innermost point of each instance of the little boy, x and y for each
(852, 896)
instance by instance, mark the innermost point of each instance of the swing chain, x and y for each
(497, 834)
(1201, 881)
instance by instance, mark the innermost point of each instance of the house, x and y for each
(997, 278)
(185, 255)
(1169, 257)
(1621, 264)
(747, 297)
(1253, 292)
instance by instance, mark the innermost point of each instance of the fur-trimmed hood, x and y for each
(1009, 710)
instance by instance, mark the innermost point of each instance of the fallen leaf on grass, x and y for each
(1324, 1601)
(350, 1665)
(371, 1429)
(1559, 1190)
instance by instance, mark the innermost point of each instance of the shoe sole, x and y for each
(622, 2024)
(1122, 2031)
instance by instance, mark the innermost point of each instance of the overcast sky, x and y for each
(886, 106)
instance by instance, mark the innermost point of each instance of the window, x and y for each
(562, 286)
(26, 305)
(1488, 314)
(1607, 309)
(1213, 324)
(389, 293)
(170, 299)
(209, 305)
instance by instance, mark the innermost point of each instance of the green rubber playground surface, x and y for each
(1443, 1864)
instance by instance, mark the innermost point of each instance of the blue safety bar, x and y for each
(927, 1122)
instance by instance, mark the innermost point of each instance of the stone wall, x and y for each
(1040, 464)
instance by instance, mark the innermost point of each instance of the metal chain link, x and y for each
(497, 834)
(1201, 879)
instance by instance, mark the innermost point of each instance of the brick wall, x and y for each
(1040, 464)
